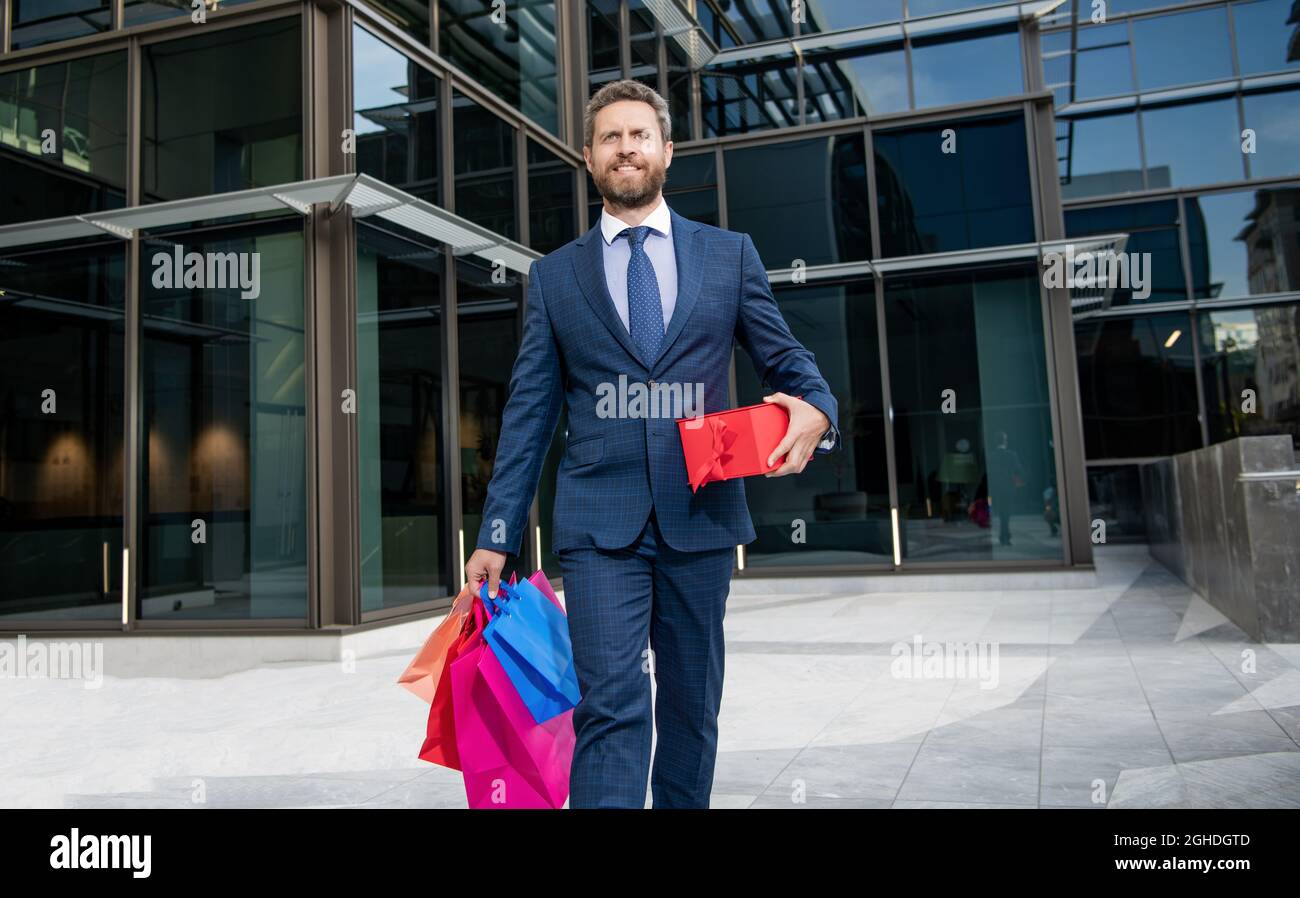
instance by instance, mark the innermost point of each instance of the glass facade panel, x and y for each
(1272, 116)
(837, 511)
(1102, 72)
(1182, 49)
(37, 22)
(1115, 497)
(817, 210)
(1266, 36)
(515, 60)
(972, 417)
(224, 409)
(1152, 230)
(975, 194)
(1099, 156)
(1255, 349)
(484, 159)
(1137, 385)
(1244, 243)
(855, 81)
(833, 15)
(403, 515)
(750, 96)
(62, 422)
(966, 66)
(489, 327)
(411, 16)
(1192, 144)
(552, 204)
(139, 12)
(63, 138)
(222, 111)
(395, 117)
(692, 187)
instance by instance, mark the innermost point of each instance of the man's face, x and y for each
(628, 158)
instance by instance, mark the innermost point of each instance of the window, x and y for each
(411, 16)
(1255, 349)
(484, 158)
(225, 439)
(1152, 230)
(750, 96)
(1099, 156)
(1272, 116)
(833, 15)
(692, 187)
(816, 211)
(77, 111)
(403, 516)
(1193, 144)
(552, 209)
(1137, 385)
(138, 12)
(1182, 49)
(37, 22)
(222, 111)
(1265, 35)
(1245, 243)
(935, 201)
(855, 81)
(965, 66)
(842, 499)
(515, 60)
(395, 116)
(62, 421)
(972, 417)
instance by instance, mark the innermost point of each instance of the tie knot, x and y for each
(635, 236)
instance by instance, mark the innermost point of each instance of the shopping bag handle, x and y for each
(498, 605)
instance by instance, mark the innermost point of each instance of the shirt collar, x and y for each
(659, 220)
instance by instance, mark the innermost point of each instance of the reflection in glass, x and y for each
(484, 158)
(514, 60)
(1256, 349)
(1137, 385)
(403, 515)
(488, 318)
(1243, 244)
(38, 22)
(411, 16)
(224, 410)
(1152, 230)
(678, 94)
(552, 209)
(1115, 496)
(842, 497)
(1182, 49)
(1102, 72)
(934, 201)
(1100, 156)
(855, 81)
(61, 431)
(138, 12)
(972, 417)
(1266, 36)
(222, 111)
(752, 95)
(965, 66)
(1196, 143)
(395, 116)
(1272, 116)
(817, 210)
(83, 103)
(833, 15)
(692, 187)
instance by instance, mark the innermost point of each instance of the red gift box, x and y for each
(734, 443)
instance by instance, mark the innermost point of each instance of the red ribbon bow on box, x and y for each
(719, 454)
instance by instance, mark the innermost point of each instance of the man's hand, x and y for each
(487, 565)
(807, 424)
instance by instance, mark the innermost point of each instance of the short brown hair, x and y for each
(627, 89)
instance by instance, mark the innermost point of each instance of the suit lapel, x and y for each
(589, 266)
(689, 273)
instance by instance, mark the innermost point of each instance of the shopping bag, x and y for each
(423, 673)
(530, 637)
(508, 760)
(543, 584)
(440, 734)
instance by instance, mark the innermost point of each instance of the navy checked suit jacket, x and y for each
(614, 467)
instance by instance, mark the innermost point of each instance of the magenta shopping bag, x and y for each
(508, 760)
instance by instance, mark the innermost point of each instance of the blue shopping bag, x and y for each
(530, 637)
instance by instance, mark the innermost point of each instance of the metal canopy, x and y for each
(363, 194)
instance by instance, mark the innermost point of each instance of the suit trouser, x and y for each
(618, 600)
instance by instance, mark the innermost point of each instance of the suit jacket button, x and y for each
(652, 385)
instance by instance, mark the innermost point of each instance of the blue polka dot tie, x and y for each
(645, 309)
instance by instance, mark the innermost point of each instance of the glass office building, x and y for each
(182, 447)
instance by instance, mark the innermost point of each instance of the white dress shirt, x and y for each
(658, 247)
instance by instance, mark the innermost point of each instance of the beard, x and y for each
(631, 195)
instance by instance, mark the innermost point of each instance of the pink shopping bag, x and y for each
(508, 760)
